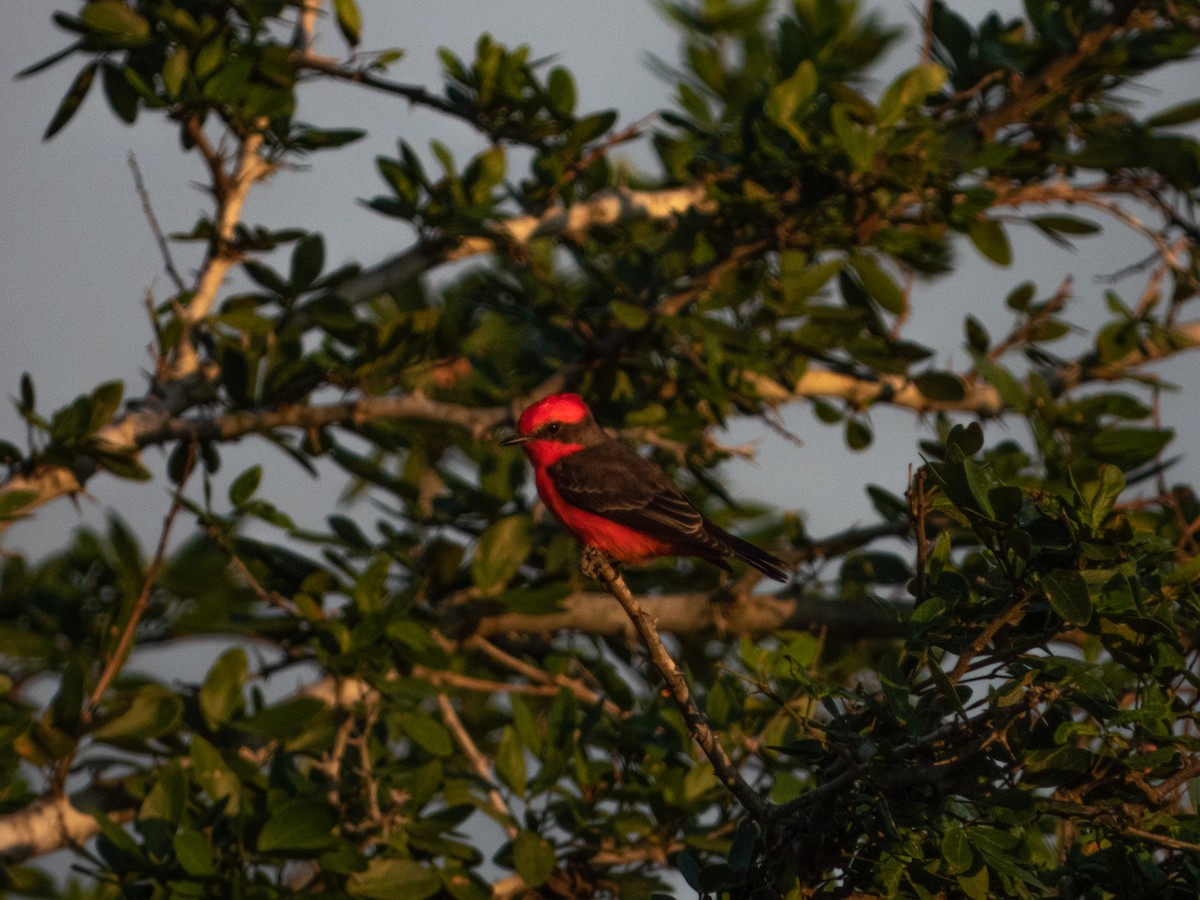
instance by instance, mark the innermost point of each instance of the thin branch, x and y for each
(1034, 87)
(596, 565)
(152, 423)
(159, 237)
(272, 598)
(53, 823)
(1021, 333)
(927, 33)
(533, 673)
(302, 38)
(918, 505)
(1011, 616)
(698, 613)
(230, 191)
(442, 677)
(479, 763)
(119, 654)
(418, 96)
(609, 208)
(1161, 839)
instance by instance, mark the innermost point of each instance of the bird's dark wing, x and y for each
(612, 481)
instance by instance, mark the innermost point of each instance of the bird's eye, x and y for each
(552, 428)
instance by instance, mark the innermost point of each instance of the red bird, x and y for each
(612, 499)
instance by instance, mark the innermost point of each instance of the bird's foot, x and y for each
(593, 563)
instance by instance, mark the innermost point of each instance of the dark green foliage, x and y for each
(1009, 707)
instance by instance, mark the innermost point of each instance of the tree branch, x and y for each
(153, 424)
(56, 822)
(479, 762)
(230, 191)
(1034, 88)
(609, 208)
(599, 613)
(596, 565)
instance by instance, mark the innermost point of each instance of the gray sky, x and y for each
(79, 259)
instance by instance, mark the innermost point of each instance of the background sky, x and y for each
(78, 258)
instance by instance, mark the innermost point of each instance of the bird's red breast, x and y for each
(618, 541)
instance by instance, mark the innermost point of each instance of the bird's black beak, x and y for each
(515, 439)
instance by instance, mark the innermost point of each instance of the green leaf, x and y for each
(790, 96)
(956, 850)
(427, 732)
(1112, 483)
(267, 277)
(977, 336)
(630, 316)
(975, 885)
(533, 858)
(1068, 595)
(909, 91)
(590, 127)
(67, 704)
(801, 280)
(214, 775)
(308, 259)
(12, 501)
(123, 465)
(990, 239)
(881, 287)
(154, 711)
(1128, 448)
(980, 484)
(28, 395)
(858, 144)
(113, 19)
(698, 781)
(286, 720)
(168, 798)
(298, 825)
(105, 401)
(858, 434)
(1065, 224)
(194, 853)
(349, 20)
(389, 879)
(689, 869)
(370, 588)
(53, 59)
(174, 71)
(1180, 114)
(121, 96)
(221, 693)
(1011, 392)
(1021, 296)
(942, 386)
(71, 101)
(510, 761)
(561, 87)
(502, 548)
(244, 486)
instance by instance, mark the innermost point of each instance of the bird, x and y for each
(616, 501)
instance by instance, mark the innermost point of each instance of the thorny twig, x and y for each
(479, 762)
(596, 565)
(160, 238)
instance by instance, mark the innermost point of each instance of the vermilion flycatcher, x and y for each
(612, 499)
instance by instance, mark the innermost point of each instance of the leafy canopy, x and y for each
(990, 691)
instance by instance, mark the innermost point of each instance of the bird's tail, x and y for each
(770, 565)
